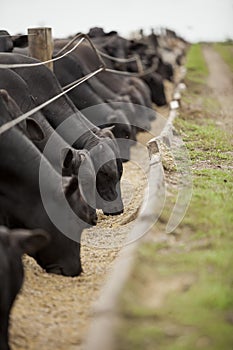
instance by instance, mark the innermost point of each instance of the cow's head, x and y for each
(108, 168)
(13, 244)
(155, 82)
(80, 183)
(123, 133)
(8, 42)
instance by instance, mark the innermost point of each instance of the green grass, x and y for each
(205, 142)
(193, 277)
(199, 310)
(226, 51)
(200, 313)
(196, 65)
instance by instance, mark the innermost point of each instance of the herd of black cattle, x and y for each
(96, 124)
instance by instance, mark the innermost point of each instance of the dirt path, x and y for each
(220, 81)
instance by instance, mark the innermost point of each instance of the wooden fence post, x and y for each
(41, 44)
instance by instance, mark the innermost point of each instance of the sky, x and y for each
(195, 20)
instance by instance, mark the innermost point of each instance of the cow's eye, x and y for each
(127, 136)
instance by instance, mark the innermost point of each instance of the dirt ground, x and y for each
(220, 82)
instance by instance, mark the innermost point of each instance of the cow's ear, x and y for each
(29, 241)
(109, 128)
(135, 45)
(107, 132)
(34, 130)
(66, 157)
(112, 32)
(20, 40)
(71, 160)
(4, 95)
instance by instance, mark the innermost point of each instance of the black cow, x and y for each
(155, 83)
(84, 96)
(21, 204)
(95, 92)
(101, 114)
(13, 244)
(110, 87)
(63, 158)
(119, 47)
(77, 131)
(6, 43)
